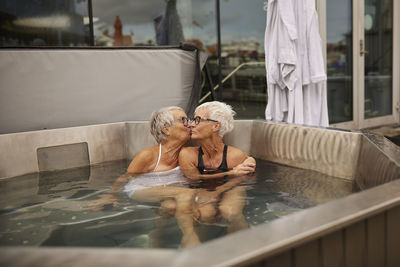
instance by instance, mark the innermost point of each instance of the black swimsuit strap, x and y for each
(222, 167)
(200, 164)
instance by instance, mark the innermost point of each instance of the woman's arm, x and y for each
(241, 164)
(140, 164)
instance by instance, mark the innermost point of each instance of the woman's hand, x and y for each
(251, 161)
(101, 203)
(247, 167)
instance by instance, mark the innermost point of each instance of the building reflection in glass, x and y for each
(242, 44)
(44, 23)
(339, 60)
(155, 22)
(378, 27)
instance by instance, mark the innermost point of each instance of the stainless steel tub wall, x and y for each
(379, 161)
(291, 145)
(327, 151)
(106, 142)
(357, 230)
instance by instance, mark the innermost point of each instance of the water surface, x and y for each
(51, 208)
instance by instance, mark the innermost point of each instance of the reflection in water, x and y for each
(55, 183)
(62, 217)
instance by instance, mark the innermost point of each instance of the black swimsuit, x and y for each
(223, 167)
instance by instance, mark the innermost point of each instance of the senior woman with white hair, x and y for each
(213, 160)
(157, 166)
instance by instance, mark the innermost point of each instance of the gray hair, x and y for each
(221, 112)
(159, 119)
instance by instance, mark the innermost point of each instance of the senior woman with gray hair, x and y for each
(157, 166)
(213, 160)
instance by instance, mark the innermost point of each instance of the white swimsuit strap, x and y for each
(159, 157)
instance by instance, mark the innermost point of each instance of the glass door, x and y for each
(339, 61)
(363, 61)
(378, 93)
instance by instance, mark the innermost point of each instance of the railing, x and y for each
(230, 75)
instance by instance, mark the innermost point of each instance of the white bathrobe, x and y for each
(281, 62)
(296, 76)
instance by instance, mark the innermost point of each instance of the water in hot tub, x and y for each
(51, 208)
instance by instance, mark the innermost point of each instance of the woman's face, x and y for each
(205, 128)
(178, 130)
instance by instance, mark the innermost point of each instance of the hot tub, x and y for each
(356, 230)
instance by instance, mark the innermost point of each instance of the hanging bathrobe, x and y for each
(296, 76)
(314, 83)
(281, 62)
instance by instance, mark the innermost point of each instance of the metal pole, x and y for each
(210, 83)
(91, 31)
(219, 61)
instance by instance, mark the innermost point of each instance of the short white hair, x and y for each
(220, 112)
(159, 119)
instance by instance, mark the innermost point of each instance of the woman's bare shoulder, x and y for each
(188, 150)
(144, 161)
(235, 151)
(188, 154)
(235, 156)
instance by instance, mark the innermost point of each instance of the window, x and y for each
(242, 48)
(339, 60)
(44, 23)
